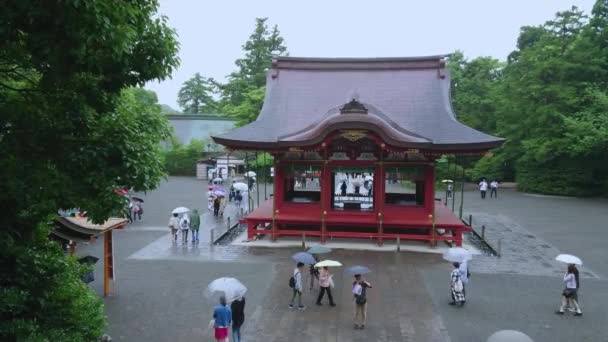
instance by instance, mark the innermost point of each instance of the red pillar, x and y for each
(278, 194)
(379, 185)
(429, 200)
(108, 262)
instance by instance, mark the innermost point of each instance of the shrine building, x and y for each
(354, 142)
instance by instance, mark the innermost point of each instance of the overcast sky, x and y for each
(211, 32)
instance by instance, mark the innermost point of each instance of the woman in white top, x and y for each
(569, 293)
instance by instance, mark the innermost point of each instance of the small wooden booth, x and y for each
(354, 144)
(79, 229)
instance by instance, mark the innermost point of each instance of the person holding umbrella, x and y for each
(295, 282)
(238, 317)
(571, 282)
(456, 286)
(360, 287)
(223, 318)
(570, 292)
(325, 283)
(174, 225)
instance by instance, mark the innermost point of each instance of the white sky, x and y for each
(211, 32)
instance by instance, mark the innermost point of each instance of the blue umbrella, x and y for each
(305, 258)
(358, 270)
(318, 250)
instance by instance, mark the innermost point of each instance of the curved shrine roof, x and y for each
(404, 100)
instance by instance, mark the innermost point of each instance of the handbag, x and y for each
(331, 282)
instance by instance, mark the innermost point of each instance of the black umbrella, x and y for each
(138, 199)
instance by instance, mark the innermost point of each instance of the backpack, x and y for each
(183, 223)
(292, 281)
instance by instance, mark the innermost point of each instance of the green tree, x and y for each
(473, 87)
(196, 95)
(70, 133)
(245, 83)
(542, 101)
(145, 96)
(247, 111)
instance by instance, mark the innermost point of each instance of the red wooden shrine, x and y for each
(354, 144)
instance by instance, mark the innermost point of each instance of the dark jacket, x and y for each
(238, 312)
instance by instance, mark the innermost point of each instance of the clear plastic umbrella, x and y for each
(457, 254)
(240, 186)
(180, 210)
(358, 269)
(231, 288)
(569, 259)
(328, 263)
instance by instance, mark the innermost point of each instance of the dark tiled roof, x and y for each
(407, 99)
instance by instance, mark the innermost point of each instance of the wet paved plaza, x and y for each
(159, 286)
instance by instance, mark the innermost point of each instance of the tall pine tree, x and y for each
(241, 94)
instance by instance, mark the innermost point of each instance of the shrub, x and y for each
(64, 309)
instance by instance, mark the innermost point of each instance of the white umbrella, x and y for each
(250, 174)
(218, 180)
(328, 263)
(211, 170)
(180, 210)
(242, 187)
(457, 254)
(569, 259)
(447, 181)
(231, 287)
(369, 178)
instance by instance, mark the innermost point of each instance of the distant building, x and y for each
(200, 127)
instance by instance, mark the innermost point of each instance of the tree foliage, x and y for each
(244, 91)
(70, 133)
(548, 101)
(196, 96)
(180, 160)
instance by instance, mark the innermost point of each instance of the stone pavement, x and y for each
(159, 287)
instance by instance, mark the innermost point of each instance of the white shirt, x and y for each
(297, 275)
(570, 280)
(173, 222)
(494, 184)
(483, 186)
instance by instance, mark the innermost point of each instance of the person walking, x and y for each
(360, 287)
(325, 283)
(238, 317)
(450, 189)
(184, 227)
(216, 205)
(463, 268)
(456, 286)
(223, 318)
(314, 273)
(570, 292)
(195, 223)
(138, 210)
(494, 188)
(174, 226)
(232, 193)
(483, 188)
(295, 282)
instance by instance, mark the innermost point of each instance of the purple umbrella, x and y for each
(219, 193)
